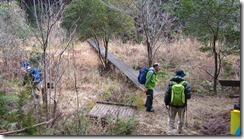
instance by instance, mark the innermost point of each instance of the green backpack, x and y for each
(178, 94)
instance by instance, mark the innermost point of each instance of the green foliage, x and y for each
(94, 18)
(7, 115)
(77, 124)
(204, 87)
(216, 23)
(3, 108)
(12, 20)
(205, 49)
(17, 116)
(5, 100)
(135, 100)
(228, 70)
(24, 117)
(122, 128)
(90, 105)
(107, 95)
(35, 59)
(205, 18)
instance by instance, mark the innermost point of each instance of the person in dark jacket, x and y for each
(173, 110)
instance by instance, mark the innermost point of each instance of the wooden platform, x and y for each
(105, 111)
(230, 83)
(128, 71)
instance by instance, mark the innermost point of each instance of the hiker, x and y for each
(27, 69)
(36, 78)
(151, 78)
(175, 99)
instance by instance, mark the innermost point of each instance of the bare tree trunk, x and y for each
(99, 50)
(44, 93)
(149, 54)
(105, 41)
(215, 65)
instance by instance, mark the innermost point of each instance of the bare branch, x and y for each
(206, 71)
(24, 129)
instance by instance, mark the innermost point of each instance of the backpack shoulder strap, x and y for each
(182, 82)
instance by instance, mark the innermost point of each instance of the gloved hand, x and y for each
(145, 90)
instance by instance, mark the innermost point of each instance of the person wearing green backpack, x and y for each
(175, 99)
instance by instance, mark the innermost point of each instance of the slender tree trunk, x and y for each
(106, 50)
(99, 50)
(149, 53)
(44, 92)
(215, 64)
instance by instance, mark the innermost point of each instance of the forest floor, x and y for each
(206, 114)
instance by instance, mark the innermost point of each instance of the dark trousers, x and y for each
(149, 101)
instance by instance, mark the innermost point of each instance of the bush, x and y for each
(3, 103)
(122, 128)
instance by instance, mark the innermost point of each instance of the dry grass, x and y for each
(183, 53)
(91, 86)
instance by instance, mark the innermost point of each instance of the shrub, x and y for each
(122, 128)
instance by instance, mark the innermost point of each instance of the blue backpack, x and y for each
(142, 75)
(36, 75)
(37, 78)
(35, 71)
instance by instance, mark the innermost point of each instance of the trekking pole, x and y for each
(167, 109)
(186, 119)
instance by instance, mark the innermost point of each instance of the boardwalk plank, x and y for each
(128, 71)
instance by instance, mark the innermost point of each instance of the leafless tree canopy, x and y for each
(151, 18)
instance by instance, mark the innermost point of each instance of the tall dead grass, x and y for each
(183, 53)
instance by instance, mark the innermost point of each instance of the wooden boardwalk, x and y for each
(128, 71)
(105, 111)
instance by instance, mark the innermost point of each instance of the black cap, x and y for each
(180, 73)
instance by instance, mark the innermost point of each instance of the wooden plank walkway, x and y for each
(104, 111)
(128, 71)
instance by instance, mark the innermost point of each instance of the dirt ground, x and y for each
(201, 110)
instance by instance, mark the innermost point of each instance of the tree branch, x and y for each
(206, 71)
(24, 129)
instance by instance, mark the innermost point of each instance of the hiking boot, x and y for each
(151, 110)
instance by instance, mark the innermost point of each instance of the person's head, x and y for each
(180, 73)
(26, 65)
(156, 67)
